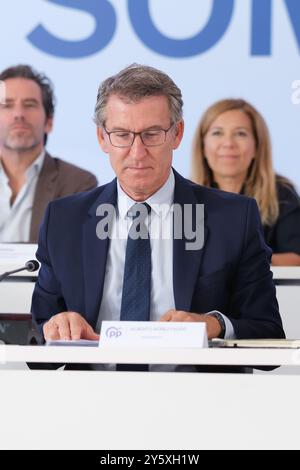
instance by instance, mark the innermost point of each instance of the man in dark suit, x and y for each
(223, 279)
(29, 177)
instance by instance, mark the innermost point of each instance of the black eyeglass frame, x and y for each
(134, 134)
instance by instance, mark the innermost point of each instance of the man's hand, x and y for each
(213, 327)
(68, 325)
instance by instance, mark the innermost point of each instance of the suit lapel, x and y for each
(186, 263)
(44, 193)
(95, 254)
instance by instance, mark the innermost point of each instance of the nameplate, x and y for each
(146, 334)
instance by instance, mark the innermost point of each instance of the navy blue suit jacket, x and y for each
(231, 273)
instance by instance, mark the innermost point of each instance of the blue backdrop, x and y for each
(211, 48)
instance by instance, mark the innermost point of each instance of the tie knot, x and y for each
(140, 209)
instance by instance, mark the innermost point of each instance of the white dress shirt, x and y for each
(162, 295)
(15, 218)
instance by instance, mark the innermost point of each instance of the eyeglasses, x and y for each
(150, 138)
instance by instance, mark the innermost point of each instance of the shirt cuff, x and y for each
(229, 331)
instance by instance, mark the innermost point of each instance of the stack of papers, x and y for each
(72, 342)
(255, 343)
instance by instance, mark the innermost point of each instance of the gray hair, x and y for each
(134, 83)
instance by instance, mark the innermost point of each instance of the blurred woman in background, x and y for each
(232, 152)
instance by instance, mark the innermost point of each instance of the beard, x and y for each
(21, 141)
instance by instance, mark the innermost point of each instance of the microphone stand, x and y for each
(30, 266)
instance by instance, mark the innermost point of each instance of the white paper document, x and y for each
(72, 342)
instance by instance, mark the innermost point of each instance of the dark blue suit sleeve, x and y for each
(254, 307)
(47, 299)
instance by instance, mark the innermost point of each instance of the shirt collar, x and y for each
(3, 175)
(36, 166)
(164, 196)
(32, 170)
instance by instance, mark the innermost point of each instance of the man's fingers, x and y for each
(63, 324)
(76, 329)
(58, 327)
(68, 326)
(91, 335)
(167, 316)
(181, 316)
(173, 315)
(79, 328)
(50, 331)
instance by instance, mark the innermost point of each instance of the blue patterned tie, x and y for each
(135, 304)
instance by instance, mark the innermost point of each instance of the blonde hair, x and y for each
(260, 182)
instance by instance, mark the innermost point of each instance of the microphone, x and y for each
(31, 265)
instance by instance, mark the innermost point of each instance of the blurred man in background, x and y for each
(29, 177)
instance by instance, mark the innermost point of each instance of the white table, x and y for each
(209, 356)
(137, 410)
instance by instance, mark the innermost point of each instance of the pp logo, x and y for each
(2, 92)
(113, 332)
